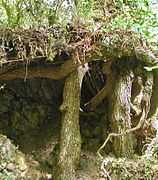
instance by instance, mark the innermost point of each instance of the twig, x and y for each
(105, 163)
(26, 72)
(78, 58)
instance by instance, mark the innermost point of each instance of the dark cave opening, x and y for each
(30, 115)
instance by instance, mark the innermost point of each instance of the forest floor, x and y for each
(91, 167)
(39, 158)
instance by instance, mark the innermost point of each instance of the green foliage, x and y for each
(125, 169)
(12, 161)
(151, 68)
(6, 176)
(138, 15)
(2, 87)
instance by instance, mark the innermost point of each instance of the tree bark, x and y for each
(39, 70)
(70, 143)
(97, 99)
(154, 103)
(119, 114)
(153, 112)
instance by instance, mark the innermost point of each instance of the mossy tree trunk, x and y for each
(153, 113)
(119, 113)
(70, 143)
(152, 124)
(129, 103)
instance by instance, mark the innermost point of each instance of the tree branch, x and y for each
(101, 94)
(39, 70)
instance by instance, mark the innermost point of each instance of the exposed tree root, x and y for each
(32, 45)
(142, 120)
(145, 105)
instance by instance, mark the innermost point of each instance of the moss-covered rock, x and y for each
(13, 163)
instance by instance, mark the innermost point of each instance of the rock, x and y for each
(13, 160)
(21, 163)
(14, 164)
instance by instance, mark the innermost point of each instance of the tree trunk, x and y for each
(70, 143)
(154, 102)
(119, 114)
(153, 113)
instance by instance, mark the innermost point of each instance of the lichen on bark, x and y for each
(70, 143)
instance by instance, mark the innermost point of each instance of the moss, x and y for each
(12, 160)
(14, 164)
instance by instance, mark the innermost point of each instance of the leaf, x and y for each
(150, 68)
(144, 8)
(106, 41)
